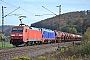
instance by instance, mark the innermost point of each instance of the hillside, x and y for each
(72, 21)
(6, 26)
(7, 29)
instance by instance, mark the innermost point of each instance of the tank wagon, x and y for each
(23, 35)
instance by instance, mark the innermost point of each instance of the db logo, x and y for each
(16, 34)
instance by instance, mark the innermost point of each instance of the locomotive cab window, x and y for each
(20, 29)
(17, 29)
(14, 29)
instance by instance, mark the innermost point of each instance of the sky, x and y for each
(31, 8)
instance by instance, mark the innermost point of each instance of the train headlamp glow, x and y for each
(12, 34)
(20, 35)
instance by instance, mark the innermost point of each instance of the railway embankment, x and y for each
(31, 51)
(66, 51)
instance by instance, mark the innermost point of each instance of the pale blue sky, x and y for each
(30, 8)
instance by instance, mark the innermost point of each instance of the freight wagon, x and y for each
(48, 36)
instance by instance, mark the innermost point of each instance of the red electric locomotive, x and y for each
(24, 35)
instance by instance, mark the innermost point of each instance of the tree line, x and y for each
(71, 22)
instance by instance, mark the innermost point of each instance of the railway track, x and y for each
(31, 51)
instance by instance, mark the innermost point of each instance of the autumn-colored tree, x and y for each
(87, 34)
(84, 49)
(73, 30)
(0, 36)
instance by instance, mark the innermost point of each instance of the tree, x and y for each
(64, 28)
(73, 30)
(0, 36)
(69, 30)
(87, 34)
(7, 32)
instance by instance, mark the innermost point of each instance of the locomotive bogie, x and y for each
(16, 42)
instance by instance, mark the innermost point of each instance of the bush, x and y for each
(21, 58)
(52, 59)
(84, 49)
(42, 58)
(16, 58)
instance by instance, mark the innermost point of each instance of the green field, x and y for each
(7, 44)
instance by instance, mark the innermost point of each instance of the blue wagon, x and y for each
(48, 36)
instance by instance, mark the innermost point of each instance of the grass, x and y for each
(7, 44)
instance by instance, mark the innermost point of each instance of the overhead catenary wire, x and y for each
(17, 7)
(32, 4)
(23, 8)
(8, 3)
(11, 12)
(40, 10)
(49, 10)
(35, 6)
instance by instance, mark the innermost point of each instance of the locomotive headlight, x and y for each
(12, 34)
(20, 35)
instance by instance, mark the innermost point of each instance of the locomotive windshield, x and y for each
(17, 29)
